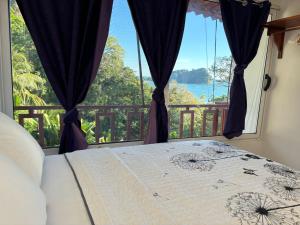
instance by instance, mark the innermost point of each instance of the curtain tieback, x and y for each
(239, 69)
(158, 96)
(71, 116)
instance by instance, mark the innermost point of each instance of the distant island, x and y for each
(195, 76)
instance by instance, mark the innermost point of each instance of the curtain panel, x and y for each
(160, 26)
(70, 37)
(243, 24)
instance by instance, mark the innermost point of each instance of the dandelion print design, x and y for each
(192, 161)
(259, 209)
(220, 152)
(281, 170)
(285, 188)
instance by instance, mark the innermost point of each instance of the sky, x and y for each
(192, 54)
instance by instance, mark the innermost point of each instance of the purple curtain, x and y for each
(160, 26)
(243, 25)
(70, 37)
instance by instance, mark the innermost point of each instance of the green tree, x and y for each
(22, 44)
(222, 98)
(179, 95)
(116, 84)
(222, 70)
(28, 85)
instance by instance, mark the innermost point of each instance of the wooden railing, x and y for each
(133, 122)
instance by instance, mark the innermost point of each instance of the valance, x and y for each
(211, 8)
(205, 8)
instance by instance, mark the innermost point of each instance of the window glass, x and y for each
(204, 42)
(118, 83)
(201, 76)
(116, 106)
(31, 88)
(254, 75)
(199, 87)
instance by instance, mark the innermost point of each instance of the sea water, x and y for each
(203, 91)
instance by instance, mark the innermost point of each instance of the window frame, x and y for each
(6, 92)
(271, 53)
(271, 50)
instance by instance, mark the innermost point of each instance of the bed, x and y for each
(182, 183)
(177, 183)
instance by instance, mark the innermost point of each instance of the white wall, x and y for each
(280, 138)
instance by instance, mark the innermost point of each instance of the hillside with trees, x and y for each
(196, 76)
(115, 84)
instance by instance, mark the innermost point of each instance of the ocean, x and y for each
(199, 90)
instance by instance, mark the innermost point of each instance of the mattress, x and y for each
(184, 183)
(65, 205)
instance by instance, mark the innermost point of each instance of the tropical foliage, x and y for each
(115, 84)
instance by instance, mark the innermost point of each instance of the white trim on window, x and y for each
(6, 100)
(272, 50)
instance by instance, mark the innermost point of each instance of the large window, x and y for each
(204, 61)
(201, 77)
(118, 86)
(116, 107)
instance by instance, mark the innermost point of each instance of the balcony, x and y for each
(122, 123)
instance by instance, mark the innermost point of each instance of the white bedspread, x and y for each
(186, 183)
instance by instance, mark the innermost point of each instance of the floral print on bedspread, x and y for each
(212, 143)
(192, 161)
(281, 170)
(251, 189)
(220, 152)
(286, 188)
(207, 153)
(251, 207)
(261, 209)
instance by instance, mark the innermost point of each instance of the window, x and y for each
(116, 106)
(32, 92)
(201, 77)
(118, 84)
(200, 83)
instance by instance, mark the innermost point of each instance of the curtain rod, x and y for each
(273, 6)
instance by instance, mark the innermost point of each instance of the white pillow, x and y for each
(22, 202)
(17, 144)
